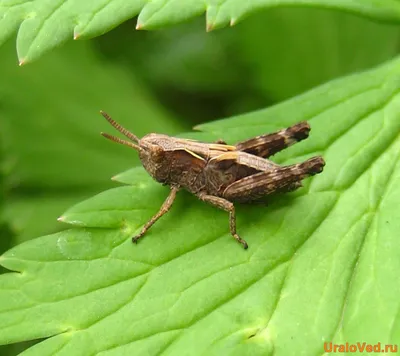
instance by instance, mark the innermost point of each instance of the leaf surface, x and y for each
(322, 263)
(45, 24)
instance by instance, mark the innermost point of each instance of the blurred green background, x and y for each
(165, 81)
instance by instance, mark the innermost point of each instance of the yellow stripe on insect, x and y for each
(194, 154)
(228, 155)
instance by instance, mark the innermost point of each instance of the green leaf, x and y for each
(44, 24)
(322, 263)
(34, 215)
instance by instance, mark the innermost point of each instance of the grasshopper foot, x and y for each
(241, 241)
(136, 238)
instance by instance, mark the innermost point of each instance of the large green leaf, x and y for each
(275, 56)
(322, 263)
(44, 24)
(32, 215)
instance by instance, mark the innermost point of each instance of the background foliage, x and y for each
(168, 81)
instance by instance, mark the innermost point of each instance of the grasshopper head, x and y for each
(153, 155)
(150, 148)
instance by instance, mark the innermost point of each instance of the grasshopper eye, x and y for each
(157, 153)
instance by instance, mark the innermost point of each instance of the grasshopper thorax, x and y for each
(152, 149)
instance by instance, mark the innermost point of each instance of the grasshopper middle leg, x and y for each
(229, 207)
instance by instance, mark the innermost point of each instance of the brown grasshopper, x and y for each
(219, 173)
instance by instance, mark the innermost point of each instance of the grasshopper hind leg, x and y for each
(269, 144)
(282, 179)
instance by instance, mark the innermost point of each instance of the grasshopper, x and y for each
(218, 173)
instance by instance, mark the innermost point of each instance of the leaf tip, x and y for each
(21, 62)
(232, 22)
(209, 27)
(61, 218)
(76, 35)
(139, 26)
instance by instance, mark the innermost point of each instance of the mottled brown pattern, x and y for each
(282, 179)
(218, 173)
(269, 144)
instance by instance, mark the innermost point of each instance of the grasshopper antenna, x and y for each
(122, 142)
(121, 129)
